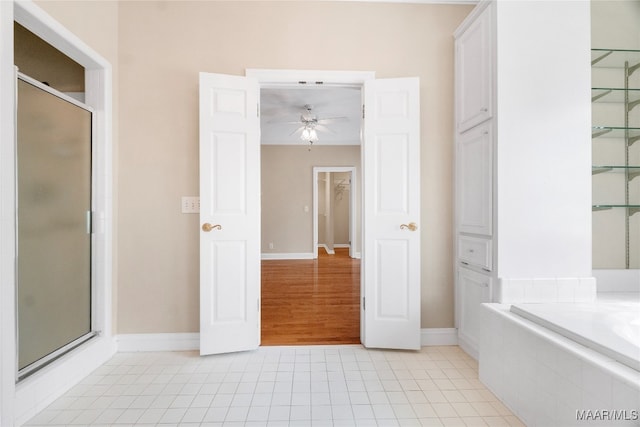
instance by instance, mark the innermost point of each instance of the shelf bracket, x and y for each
(600, 95)
(633, 211)
(600, 58)
(633, 104)
(633, 139)
(633, 68)
(600, 132)
(633, 175)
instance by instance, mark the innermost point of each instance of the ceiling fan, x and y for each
(310, 124)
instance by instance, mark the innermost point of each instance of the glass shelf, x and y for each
(614, 58)
(633, 209)
(615, 95)
(615, 132)
(634, 171)
(621, 100)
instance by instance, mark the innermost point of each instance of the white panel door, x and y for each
(391, 261)
(229, 214)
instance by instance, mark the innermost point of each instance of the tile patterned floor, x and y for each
(283, 386)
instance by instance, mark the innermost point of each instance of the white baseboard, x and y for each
(438, 336)
(191, 340)
(295, 255)
(158, 342)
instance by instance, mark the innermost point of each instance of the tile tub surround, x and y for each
(283, 386)
(545, 378)
(608, 326)
(539, 290)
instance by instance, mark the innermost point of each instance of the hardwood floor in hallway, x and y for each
(308, 302)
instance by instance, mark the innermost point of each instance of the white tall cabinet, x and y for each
(474, 173)
(522, 158)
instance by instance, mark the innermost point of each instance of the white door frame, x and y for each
(292, 78)
(20, 402)
(280, 78)
(352, 205)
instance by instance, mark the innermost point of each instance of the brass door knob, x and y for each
(411, 226)
(208, 227)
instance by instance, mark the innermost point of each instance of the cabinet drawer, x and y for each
(475, 252)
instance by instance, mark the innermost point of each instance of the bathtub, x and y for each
(564, 364)
(611, 328)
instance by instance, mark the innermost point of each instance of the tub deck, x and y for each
(610, 325)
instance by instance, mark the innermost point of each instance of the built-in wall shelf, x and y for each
(632, 171)
(615, 58)
(633, 134)
(616, 95)
(633, 209)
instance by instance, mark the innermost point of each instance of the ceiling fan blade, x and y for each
(278, 122)
(326, 129)
(332, 119)
(297, 130)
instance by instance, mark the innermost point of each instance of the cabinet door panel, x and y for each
(474, 87)
(475, 170)
(473, 290)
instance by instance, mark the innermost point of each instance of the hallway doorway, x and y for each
(310, 296)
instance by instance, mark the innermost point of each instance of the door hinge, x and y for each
(258, 110)
(363, 111)
(364, 304)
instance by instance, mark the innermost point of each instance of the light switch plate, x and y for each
(190, 204)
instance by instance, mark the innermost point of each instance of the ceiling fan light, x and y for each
(313, 135)
(306, 134)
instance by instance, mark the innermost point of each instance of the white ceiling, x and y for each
(280, 110)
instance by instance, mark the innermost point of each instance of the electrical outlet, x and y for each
(271, 245)
(190, 204)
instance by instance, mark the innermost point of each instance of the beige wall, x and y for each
(287, 187)
(160, 49)
(157, 50)
(163, 46)
(96, 24)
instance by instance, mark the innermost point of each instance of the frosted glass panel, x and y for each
(54, 246)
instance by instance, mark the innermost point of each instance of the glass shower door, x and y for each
(54, 232)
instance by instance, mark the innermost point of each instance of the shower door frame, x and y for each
(30, 369)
